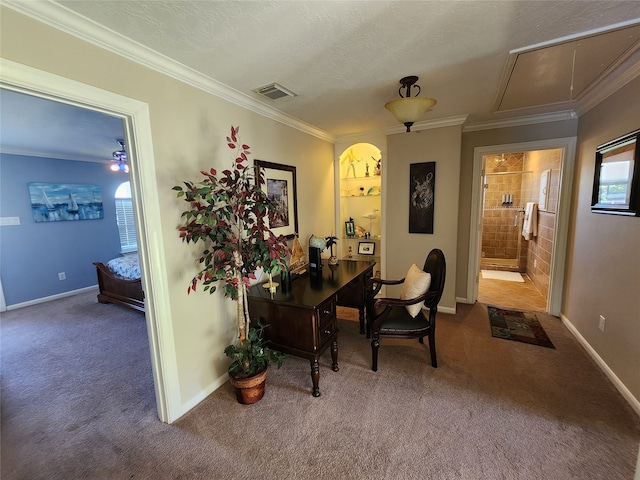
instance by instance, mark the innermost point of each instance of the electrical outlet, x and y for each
(601, 323)
(535, 262)
(62, 276)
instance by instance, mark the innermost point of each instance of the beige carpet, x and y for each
(77, 403)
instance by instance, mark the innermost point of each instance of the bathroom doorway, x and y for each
(520, 199)
(519, 216)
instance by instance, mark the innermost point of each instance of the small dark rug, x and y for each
(518, 326)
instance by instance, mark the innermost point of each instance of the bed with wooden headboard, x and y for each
(120, 282)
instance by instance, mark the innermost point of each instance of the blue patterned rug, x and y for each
(518, 326)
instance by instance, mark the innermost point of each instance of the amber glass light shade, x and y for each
(410, 110)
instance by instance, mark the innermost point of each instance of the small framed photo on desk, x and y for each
(350, 228)
(366, 248)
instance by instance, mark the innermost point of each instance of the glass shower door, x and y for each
(501, 239)
(502, 219)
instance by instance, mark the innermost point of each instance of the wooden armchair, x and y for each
(390, 317)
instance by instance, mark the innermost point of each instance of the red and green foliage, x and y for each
(227, 213)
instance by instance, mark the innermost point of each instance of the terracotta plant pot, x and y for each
(249, 390)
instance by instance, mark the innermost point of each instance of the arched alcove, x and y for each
(359, 194)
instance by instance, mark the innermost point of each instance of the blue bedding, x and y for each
(126, 267)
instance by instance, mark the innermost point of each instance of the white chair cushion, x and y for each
(415, 284)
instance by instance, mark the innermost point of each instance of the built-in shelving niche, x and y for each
(359, 195)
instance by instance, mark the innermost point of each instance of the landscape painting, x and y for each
(57, 202)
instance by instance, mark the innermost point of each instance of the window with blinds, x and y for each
(125, 219)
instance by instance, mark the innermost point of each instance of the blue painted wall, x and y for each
(32, 254)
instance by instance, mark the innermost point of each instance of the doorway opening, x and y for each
(520, 207)
(135, 115)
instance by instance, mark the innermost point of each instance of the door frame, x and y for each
(559, 250)
(137, 126)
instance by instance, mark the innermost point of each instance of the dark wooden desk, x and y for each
(302, 317)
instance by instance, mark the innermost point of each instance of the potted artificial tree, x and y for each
(228, 214)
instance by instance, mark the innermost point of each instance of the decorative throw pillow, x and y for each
(415, 284)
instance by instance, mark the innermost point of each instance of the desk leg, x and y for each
(334, 356)
(315, 376)
(361, 317)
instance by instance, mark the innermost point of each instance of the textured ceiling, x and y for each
(343, 59)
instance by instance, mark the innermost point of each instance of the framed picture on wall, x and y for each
(616, 179)
(58, 202)
(280, 186)
(422, 182)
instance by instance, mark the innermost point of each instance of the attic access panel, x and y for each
(545, 75)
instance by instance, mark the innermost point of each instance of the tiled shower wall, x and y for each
(499, 236)
(538, 265)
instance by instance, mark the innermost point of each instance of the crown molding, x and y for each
(628, 72)
(427, 125)
(368, 136)
(56, 156)
(61, 18)
(519, 121)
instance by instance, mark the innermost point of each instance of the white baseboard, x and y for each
(451, 310)
(52, 297)
(187, 406)
(464, 300)
(628, 396)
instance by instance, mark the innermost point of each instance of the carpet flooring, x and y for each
(78, 403)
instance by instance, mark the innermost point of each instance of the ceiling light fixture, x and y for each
(120, 156)
(408, 109)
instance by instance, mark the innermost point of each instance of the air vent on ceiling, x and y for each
(274, 91)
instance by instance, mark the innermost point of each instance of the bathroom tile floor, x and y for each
(521, 296)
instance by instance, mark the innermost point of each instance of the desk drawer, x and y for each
(326, 311)
(326, 331)
(326, 321)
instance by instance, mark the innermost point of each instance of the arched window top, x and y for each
(124, 190)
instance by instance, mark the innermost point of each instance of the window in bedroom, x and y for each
(124, 216)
